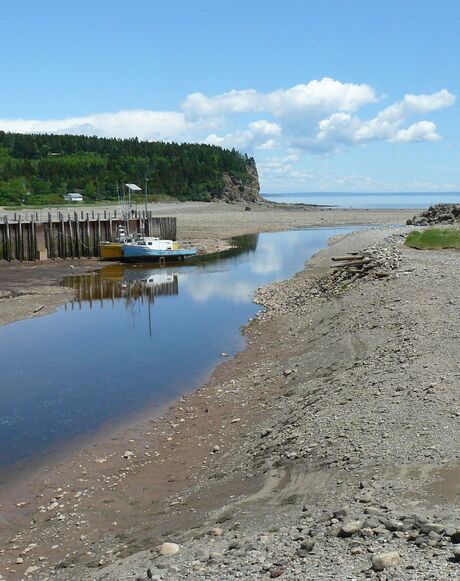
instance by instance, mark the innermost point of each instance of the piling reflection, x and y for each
(117, 282)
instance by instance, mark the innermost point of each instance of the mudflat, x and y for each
(328, 449)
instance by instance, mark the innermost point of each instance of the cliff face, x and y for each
(238, 190)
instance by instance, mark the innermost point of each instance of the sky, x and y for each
(326, 95)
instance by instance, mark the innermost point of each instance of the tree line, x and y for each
(39, 168)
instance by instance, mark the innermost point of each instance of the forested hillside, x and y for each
(38, 169)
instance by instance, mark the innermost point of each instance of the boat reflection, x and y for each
(120, 283)
(142, 283)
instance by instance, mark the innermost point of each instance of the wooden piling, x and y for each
(70, 236)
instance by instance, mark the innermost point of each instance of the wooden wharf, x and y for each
(72, 235)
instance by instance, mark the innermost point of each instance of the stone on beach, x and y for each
(168, 549)
(382, 561)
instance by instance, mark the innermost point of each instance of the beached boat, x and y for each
(140, 248)
(111, 251)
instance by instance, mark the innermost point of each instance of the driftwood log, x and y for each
(348, 257)
(352, 263)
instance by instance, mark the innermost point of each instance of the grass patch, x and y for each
(434, 238)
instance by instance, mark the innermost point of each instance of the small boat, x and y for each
(139, 248)
(111, 251)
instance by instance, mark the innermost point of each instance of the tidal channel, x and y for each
(133, 338)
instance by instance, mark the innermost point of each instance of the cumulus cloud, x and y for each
(259, 135)
(416, 105)
(421, 131)
(344, 128)
(316, 96)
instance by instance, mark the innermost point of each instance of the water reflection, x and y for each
(144, 282)
(118, 282)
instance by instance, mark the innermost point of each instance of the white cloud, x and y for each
(416, 105)
(343, 128)
(264, 127)
(269, 144)
(135, 123)
(325, 95)
(255, 137)
(421, 131)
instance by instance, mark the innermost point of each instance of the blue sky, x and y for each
(326, 95)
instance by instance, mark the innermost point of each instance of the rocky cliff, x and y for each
(241, 189)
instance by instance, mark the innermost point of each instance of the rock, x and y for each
(431, 527)
(168, 549)
(456, 551)
(350, 528)
(19, 561)
(217, 532)
(382, 561)
(215, 449)
(307, 545)
(391, 524)
(31, 569)
(341, 513)
(128, 454)
(277, 572)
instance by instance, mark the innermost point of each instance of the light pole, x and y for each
(146, 192)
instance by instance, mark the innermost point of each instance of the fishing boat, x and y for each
(139, 248)
(113, 250)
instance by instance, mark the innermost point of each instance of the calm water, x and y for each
(134, 337)
(371, 201)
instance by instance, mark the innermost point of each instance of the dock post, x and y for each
(77, 236)
(63, 238)
(20, 241)
(7, 242)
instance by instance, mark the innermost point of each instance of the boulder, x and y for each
(383, 561)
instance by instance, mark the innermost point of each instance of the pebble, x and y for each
(351, 528)
(168, 549)
(217, 532)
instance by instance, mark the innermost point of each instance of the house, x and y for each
(73, 197)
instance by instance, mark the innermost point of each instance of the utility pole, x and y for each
(146, 192)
